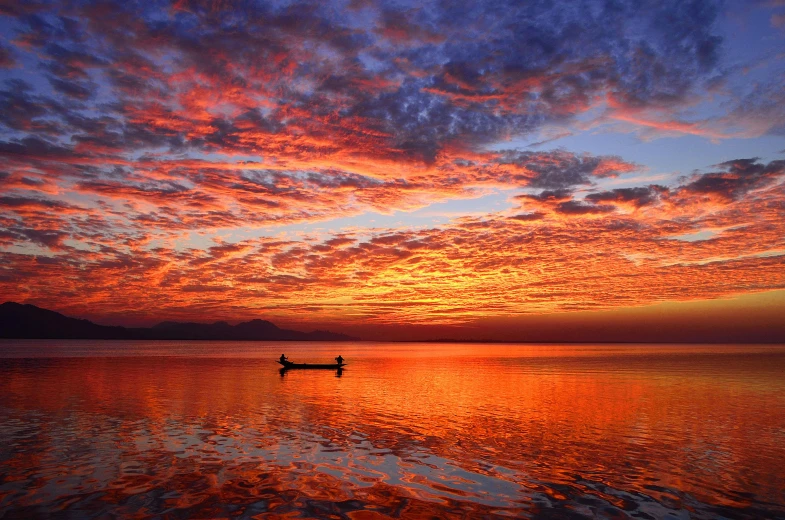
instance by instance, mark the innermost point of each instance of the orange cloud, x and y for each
(467, 270)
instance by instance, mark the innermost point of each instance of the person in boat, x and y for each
(339, 359)
(283, 359)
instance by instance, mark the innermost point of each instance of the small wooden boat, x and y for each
(331, 366)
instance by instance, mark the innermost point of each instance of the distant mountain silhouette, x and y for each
(29, 321)
(258, 330)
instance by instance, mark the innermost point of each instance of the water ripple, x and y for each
(638, 435)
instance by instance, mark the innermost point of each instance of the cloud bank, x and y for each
(140, 142)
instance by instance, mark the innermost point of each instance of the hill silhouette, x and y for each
(31, 322)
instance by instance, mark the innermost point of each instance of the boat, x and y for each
(331, 366)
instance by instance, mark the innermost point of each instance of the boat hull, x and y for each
(312, 366)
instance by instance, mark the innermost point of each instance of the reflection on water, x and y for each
(97, 429)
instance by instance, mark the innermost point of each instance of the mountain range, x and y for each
(28, 321)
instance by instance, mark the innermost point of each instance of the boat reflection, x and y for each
(284, 371)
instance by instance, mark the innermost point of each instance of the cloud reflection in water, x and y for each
(628, 432)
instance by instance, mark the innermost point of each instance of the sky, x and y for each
(538, 170)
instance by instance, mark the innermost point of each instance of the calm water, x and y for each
(211, 429)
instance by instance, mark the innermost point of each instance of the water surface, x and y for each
(92, 429)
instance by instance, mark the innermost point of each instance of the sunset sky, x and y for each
(399, 170)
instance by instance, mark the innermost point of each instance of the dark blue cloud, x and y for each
(574, 207)
(559, 170)
(425, 76)
(738, 178)
(80, 90)
(638, 196)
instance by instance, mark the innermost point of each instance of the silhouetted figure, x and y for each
(339, 359)
(283, 359)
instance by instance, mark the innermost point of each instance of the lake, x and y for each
(97, 429)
